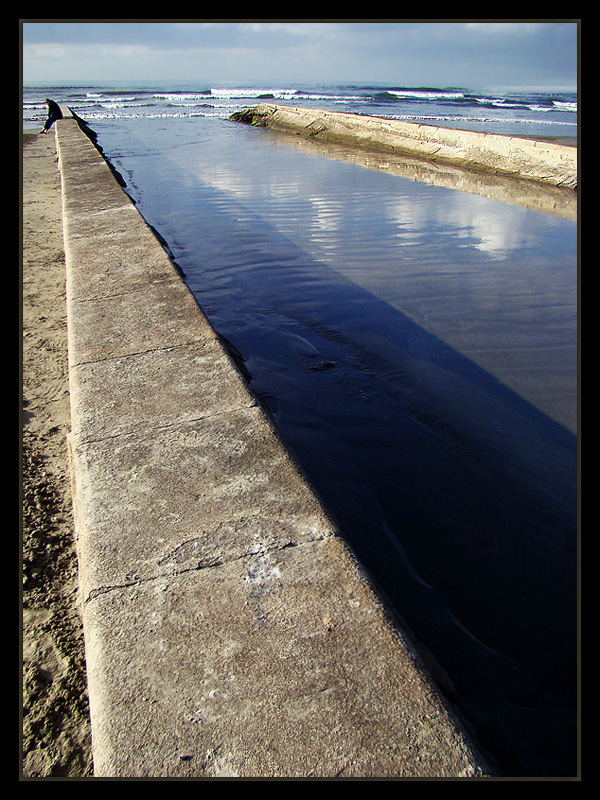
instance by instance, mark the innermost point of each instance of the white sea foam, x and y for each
(427, 94)
(428, 104)
(564, 105)
(229, 94)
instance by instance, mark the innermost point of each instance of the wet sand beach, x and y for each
(56, 731)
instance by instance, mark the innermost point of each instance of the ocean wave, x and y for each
(496, 101)
(508, 104)
(190, 104)
(99, 115)
(541, 103)
(342, 98)
(427, 94)
(180, 95)
(100, 98)
(483, 120)
(231, 94)
(564, 105)
(428, 104)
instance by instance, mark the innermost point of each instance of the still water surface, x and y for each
(417, 347)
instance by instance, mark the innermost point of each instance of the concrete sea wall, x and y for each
(229, 630)
(543, 162)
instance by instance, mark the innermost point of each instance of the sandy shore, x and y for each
(56, 729)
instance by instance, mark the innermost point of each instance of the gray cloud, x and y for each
(454, 53)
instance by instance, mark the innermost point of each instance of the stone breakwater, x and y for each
(229, 630)
(528, 159)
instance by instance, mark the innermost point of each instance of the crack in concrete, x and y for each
(141, 289)
(177, 572)
(156, 427)
(149, 350)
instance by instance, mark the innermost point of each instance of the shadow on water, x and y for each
(457, 495)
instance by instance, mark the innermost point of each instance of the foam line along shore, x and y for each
(513, 112)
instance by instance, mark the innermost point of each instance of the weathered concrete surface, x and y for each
(544, 162)
(229, 630)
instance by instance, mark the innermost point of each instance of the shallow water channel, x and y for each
(417, 347)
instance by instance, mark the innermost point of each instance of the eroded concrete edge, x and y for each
(229, 631)
(543, 162)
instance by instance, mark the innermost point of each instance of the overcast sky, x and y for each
(469, 54)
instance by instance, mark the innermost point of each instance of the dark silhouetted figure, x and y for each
(54, 113)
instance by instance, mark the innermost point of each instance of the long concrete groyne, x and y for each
(229, 630)
(527, 159)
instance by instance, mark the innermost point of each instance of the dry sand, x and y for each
(56, 729)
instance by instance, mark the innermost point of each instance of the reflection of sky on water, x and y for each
(489, 226)
(485, 225)
(493, 280)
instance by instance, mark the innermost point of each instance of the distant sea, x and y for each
(524, 112)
